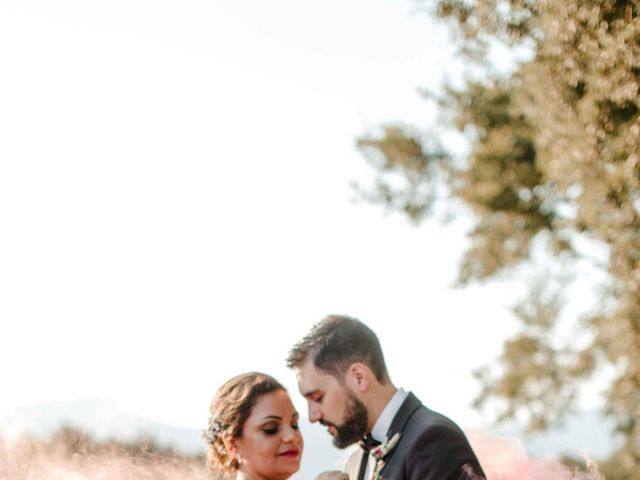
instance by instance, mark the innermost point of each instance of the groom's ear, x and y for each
(358, 377)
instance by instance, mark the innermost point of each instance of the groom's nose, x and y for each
(314, 414)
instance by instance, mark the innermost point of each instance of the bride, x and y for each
(253, 431)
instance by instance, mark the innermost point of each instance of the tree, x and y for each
(554, 166)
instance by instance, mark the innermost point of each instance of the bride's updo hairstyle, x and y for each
(230, 408)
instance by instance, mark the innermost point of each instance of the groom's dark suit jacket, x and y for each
(431, 447)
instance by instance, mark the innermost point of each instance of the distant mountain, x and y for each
(586, 433)
(102, 419)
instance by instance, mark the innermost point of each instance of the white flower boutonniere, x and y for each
(381, 452)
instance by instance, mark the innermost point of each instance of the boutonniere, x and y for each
(381, 452)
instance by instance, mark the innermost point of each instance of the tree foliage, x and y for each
(554, 165)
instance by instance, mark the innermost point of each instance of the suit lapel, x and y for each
(408, 407)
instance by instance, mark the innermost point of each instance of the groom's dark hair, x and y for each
(335, 343)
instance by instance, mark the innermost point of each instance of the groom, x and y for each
(341, 372)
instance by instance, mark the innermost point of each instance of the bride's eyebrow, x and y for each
(272, 417)
(279, 418)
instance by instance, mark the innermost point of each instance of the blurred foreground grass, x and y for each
(73, 455)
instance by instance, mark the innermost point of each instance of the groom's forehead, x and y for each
(306, 374)
(310, 379)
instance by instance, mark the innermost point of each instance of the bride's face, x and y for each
(270, 447)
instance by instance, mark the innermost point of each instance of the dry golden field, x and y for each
(71, 455)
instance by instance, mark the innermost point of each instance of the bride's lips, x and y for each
(291, 453)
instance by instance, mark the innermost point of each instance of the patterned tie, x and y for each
(368, 443)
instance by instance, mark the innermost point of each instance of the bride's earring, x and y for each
(238, 459)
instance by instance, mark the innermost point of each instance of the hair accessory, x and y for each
(212, 431)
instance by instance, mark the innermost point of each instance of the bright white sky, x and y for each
(175, 201)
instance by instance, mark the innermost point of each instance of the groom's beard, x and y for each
(355, 424)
